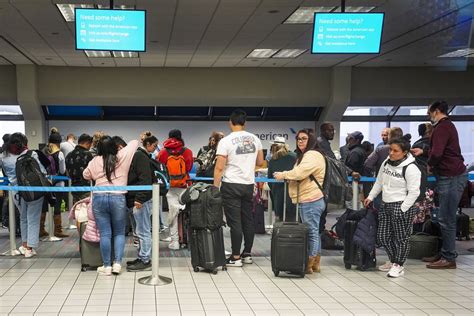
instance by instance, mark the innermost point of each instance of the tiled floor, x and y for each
(55, 286)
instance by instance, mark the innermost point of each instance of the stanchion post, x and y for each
(50, 218)
(155, 278)
(12, 226)
(355, 194)
(69, 206)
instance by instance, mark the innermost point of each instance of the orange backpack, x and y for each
(177, 169)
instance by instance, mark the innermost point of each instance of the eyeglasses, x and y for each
(302, 139)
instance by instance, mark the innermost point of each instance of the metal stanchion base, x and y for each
(51, 239)
(13, 252)
(160, 280)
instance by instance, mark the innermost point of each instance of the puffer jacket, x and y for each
(365, 234)
(91, 232)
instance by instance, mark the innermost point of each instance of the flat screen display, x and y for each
(347, 33)
(117, 30)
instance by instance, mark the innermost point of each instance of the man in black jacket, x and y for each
(357, 154)
(141, 205)
(76, 161)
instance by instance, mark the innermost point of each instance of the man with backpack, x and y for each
(179, 162)
(237, 155)
(76, 161)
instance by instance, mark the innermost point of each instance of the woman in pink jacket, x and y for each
(110, 168)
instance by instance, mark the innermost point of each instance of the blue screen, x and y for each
(122, 30)
(347, 33)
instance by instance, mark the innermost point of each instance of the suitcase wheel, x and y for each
(196, 269)
(83, 268)
(348, 266)
(302, 275)
(214, 271)
(276, 272)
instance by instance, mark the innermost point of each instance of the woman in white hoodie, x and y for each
(399, 181)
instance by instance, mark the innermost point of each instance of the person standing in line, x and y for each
(76, 162)
(69, 145)
(237, 156)
(399, 182)
(110, 168)
(447, 164)
(327, 134)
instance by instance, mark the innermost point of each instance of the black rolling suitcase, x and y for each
(207, 249)
(289, 246)
(353, 254)
(462, 226)
(90, 252)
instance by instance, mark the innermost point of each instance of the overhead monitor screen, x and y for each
(347, 33)
(121, 30)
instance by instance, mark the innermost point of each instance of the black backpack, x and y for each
(160, 175)
(336, 187)
(28, 173)
(204, 204)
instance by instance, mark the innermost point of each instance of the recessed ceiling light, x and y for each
(67, 10)
(262, 53)
(97, 53)
(273, 11)
(289, 53)
(305, 15)
(117, 7)
(458, 53)
(355, 9)
(121, 54)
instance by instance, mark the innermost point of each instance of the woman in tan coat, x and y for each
(310, 167)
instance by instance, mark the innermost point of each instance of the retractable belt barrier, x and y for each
(155, 278)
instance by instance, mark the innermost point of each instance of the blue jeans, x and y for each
(143, 230)
(110, 211)
(30, 213)
(311, 215)
(449, 191)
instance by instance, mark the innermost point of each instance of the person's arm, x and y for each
(219, 169)
(62, 163)
(188, 159)
(439, 142)
(87, 173)
(371, 161)
(260, 159)
(413, 179)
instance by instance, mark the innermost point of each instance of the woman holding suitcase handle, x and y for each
(399, 181)
(304, 190)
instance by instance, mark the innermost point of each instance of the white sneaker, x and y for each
(103, 270)
(396, 271)
(116, 268)
(22, 250)
(166, 239)
(385, 267)
(246, 258)
(174, 245)
(230, 262)
(30, 253)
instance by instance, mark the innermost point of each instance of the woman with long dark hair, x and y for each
(310, 168)
(30, 212)
(110, 168)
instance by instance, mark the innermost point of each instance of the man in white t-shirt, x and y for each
(237, 155)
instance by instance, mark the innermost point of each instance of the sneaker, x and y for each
(139, 266)
(231, 262)
(116, 268)
(30, 253)
(22, 250)
(103, 270)
(166, 239)
(385, 267)
(246, 258)
(129, 263)
(396, 271)
(174, 245)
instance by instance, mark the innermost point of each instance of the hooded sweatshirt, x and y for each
(174, 145)
(394, 187)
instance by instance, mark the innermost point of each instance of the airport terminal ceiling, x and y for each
(236, 33)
